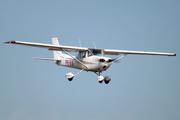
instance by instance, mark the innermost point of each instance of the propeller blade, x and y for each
(118, 61)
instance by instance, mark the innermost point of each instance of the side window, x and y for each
(83, 54)
(89, 54)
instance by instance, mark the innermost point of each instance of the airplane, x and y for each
(88, 59)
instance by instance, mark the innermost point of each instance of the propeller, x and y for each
(118, 61)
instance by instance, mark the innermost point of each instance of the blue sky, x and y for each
(142, 87)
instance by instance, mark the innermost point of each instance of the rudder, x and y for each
(56, 42)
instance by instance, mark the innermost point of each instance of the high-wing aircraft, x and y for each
(88, 59)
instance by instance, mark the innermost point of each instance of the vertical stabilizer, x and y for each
(56, 53)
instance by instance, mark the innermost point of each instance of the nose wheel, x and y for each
(100, 78)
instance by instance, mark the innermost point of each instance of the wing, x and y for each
(50, 46)
(117, 52)
(75, 49)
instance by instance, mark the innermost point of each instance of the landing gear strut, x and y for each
(70, 76)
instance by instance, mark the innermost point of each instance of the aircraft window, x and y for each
(83, 54)
(89, 54)
(96, 52)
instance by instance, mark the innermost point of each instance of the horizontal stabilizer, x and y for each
(47, 59)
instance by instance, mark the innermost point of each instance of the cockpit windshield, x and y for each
(90, 52)
(96, 51)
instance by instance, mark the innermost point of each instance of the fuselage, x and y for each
(93, 63)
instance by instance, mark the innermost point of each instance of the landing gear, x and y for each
(70, 79)
(100, 78)
(107, 79)
(70, 76)
(100, 81)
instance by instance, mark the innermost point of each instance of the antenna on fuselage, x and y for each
(79, 43)
(94, 45)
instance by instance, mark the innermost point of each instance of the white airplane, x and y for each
(88, 59)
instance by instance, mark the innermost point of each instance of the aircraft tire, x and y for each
(100, 81)
(70, 79)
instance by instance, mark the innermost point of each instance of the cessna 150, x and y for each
(88, 59)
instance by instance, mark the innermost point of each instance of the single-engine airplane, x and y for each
(88, 59)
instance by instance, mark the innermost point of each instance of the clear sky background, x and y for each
(142, 87)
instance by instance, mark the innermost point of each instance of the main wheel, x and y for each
(70, 79)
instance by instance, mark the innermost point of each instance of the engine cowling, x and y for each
(107, 79)
(69, 76)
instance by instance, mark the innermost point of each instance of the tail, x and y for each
(56, 53)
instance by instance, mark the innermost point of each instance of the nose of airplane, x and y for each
(105, 65)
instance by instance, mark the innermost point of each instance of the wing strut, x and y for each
(79, 72)
(119, 58)
(75, 59)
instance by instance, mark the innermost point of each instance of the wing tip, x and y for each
(172, 54)
(9, 42)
